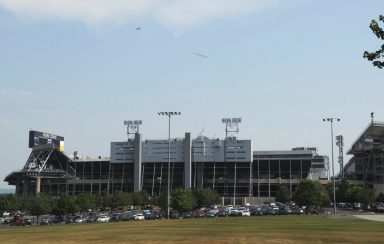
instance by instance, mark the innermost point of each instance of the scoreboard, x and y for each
(42, 138)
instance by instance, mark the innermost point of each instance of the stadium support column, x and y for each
(137, 163)
(187, 161)
(38, 182)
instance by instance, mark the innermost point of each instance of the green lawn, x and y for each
(265, 229)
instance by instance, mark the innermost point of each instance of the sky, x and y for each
(79, 68)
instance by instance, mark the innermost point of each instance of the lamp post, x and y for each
(333, 168)
(169, 114)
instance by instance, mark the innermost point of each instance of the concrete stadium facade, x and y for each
(229, 166)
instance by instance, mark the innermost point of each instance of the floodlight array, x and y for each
(169, 113)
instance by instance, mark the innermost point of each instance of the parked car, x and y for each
(273, 210)
(256, 211)
(222, 213)
(149, 215)
(211, 213)
(139, 216)
(46, 221)
(243, 211)
(91, 219)
(186, 214)
(158, 215)
(234, 213)
(115, 218)
(297, 210)
(78, 219)
(17, 221)
(127, 217)
(103, 218)
(285, 210)
(174, 214)
(198, 213)
(377, 207)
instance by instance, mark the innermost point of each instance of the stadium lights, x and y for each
(333, 168)
(169, 114)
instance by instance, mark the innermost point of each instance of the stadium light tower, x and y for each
(169, 114)
(333, 167)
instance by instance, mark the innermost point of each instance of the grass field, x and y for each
(266, 229)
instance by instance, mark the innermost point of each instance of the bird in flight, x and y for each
(200, 55)
(138, 28)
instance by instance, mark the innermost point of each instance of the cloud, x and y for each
(4, 121)
(171, 13)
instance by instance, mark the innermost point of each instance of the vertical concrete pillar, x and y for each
(38, 182)
(187, 161)
(25, 186)
(137, 163)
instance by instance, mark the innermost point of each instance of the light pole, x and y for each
(333, 168)
(169, 114)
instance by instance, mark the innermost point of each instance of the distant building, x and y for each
(229, 166)
(367, 164)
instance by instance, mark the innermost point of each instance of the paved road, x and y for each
(374, 217)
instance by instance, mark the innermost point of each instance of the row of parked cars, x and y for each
(152, 214)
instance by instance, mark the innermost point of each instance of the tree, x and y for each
(182, 199)
(341, 190)
(10, 202)
(86, 201)
(162, 200)
(66, 204)
(311, 193)
(376, 56)
(121, 199)
(206, 197)
(283, 194)
(39, 205)
(380, 197)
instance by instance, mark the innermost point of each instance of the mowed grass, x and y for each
(264, 229)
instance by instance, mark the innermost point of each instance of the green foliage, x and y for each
(182, 199)
(380, 197)
(206, 197)
(66, 204)
(162, 200)
(102, 200)
(120, 199)
(365, 195)
(376, 56)
(283, 194)
(311, 193)
(86, 201)
(10, 202)
(39, 204)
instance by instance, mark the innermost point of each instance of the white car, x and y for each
(139, 216)
(103, 218)
(244, 211)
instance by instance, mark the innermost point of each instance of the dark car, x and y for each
(222, 214)
(149, 215)
(257, 211)
(174, 214)
(297, 210)
(91, 219)
(186, 214)
(273, 210)
(285, 210)
(158, 215)
(127, 217)
(377, 207)
(115, 218)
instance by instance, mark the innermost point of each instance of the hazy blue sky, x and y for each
(78, 68)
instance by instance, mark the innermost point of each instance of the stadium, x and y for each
(367, 163)
(228, 165)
